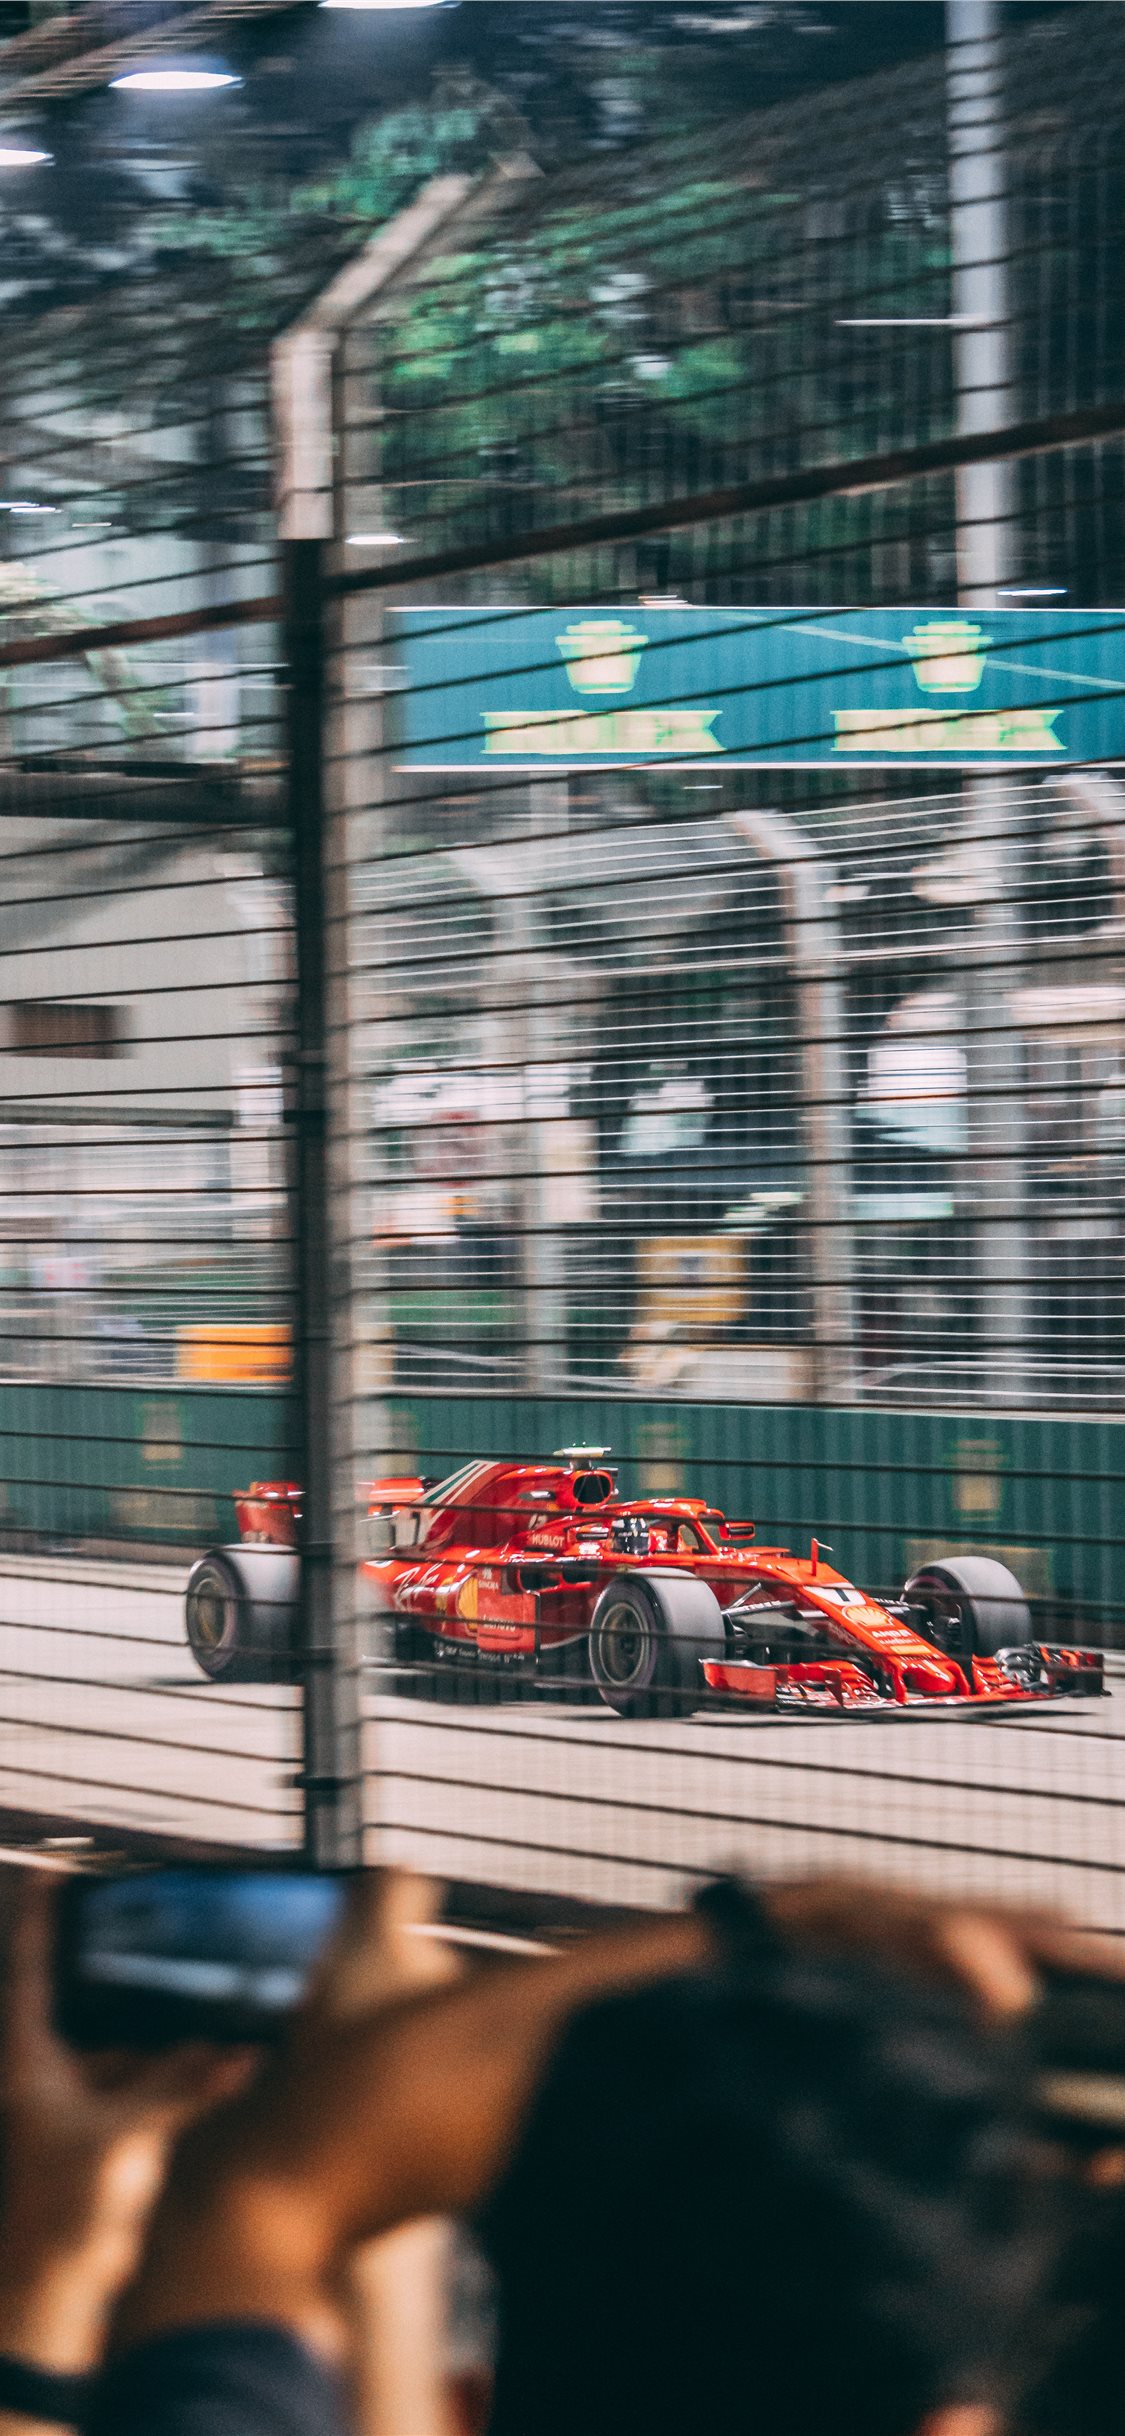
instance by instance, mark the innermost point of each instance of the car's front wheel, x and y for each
(649, 1634)
(972, 1604)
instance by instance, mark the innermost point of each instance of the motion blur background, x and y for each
(373, 1094)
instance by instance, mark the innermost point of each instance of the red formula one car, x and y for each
(657, 1603)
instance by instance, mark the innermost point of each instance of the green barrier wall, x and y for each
(143, 1463)
(882, 1489)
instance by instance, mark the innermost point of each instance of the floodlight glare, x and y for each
(173, 80)
(21, 156)
(914, 321)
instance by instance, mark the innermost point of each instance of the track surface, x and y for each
(103, 1717)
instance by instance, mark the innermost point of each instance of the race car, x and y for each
(659, 1605)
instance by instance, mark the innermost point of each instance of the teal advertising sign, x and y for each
(582, 688)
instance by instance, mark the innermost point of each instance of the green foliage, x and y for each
(667, 323)
(664, 328)
(458, 128)
(274, 240)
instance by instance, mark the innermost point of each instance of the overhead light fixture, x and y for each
(373, 541)
(381, 4)
(21, 156)
(1034, 592)
(174, 80)
(915, 321)
(27, 507)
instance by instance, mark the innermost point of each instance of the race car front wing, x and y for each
(1037, 1670)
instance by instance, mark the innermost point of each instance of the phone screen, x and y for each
(191, 1952)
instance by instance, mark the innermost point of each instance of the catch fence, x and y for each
(754, 1108)
(146, 1305)
(147, 1261)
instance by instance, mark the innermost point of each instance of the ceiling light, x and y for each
(380, 4)
(21, 156)
(914, 321)
(174, 80)
(1034, 592)
(371, 541)
(27, 507)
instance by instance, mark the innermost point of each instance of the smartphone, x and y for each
(208, 1952)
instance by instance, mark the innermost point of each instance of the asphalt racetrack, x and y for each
(103, 1718)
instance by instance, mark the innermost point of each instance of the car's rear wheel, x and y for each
(649, 1634)
(240, 1613)
(973, 1606)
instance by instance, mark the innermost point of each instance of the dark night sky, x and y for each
(758, 51)
(585, 75)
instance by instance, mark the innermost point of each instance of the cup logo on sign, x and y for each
(948, 654)
(602, 654)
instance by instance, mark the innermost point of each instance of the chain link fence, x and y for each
(734, 1046)
(146, 1270)
(681, 770)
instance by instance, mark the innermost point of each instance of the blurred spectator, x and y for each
(793, 2196)
(763, 2166)
(780, 2188)
(1081, 2390)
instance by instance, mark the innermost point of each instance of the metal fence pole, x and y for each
(538, 999)
(979, 251)
(336, 770)
(331, 1777)
(995, 1173)
(815, 949)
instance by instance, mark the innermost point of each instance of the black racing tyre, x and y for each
(975, 1605)
(240, 1614)
(648, 1636)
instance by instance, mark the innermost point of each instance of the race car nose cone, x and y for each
(934, 1679)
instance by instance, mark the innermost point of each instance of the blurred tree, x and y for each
(583, 75)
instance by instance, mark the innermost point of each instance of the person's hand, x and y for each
(396, 2289)
(85, 2141)
(383, 2106)
(996, 1954)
